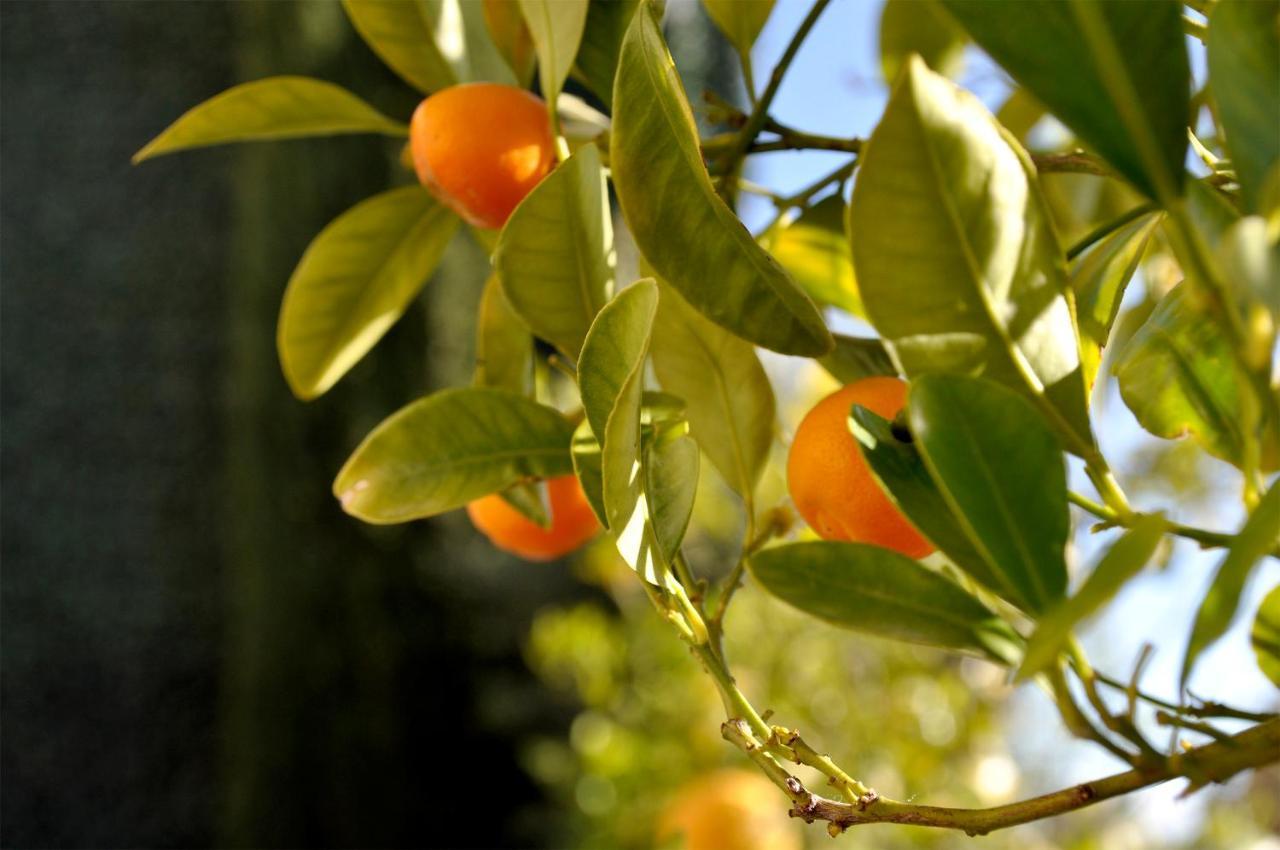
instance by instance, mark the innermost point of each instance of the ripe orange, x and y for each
(830, 483)
(572, 522)
(729, 810)
(481, 147)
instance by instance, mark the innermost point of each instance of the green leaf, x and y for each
(1002, 472)
(504, 346)
(1250, 261)
(1265, 636)
(1260, 535)
(587, 465)
(1177, 375)
(556, 27)
(274, 108)
(670, 485)
(614, 351)
(876, 590)
(902, 474)
(1099, 278)
(530, 499)
(597, 60)
(956, 258)
(555, 255)
(923, 27)
(1019, 113)
(448, 449)
(431, 44)
(1115, 73)
(815, 250)
(355, 281)
(511, 37)
(730, 401)
(1122, 562)
(739, 20)
(1244, 70)
(680, 225)
(855, 358)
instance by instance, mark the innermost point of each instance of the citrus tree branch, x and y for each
(1207, 539)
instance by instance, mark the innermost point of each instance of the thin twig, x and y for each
(1107, 228)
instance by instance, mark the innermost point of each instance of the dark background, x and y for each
(198, 647)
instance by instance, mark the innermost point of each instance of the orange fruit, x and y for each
(729, 810)
(830, 483)
(572, 522)
(481, 147)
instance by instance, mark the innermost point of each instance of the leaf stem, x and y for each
(1107, 228)
(1207, 539)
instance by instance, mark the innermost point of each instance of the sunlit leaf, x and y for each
(586, 463)
(615, 350)
(274, 108)
(555, 256)
(1244, 70)
(511, 37)
(504, 346)
(1265, 636)
(923, 27)
(855, 358)
(556, 27)
(1126, 557)
(730, 401)
(876, 590)
(680, 225)
(1020, 113)
(815, 250)
(956, 258)
(597, 61)
(739, 20)
(1260, 535)
(354, 282)
(1002, 472)
(670, 484)
(447, 449)
(1115, 73)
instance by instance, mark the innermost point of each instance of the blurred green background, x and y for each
(200, 649)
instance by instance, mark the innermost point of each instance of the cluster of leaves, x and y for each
(952, 241)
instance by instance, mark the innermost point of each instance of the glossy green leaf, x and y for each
(354, 282)
(730, 401)
(597, 61)
(504, 346)
(511, 37)
(1002, 472)
(587, 465)
(956, 258)
(680, 225)
(1178, 376)
(1265, 636)
(556, 27)
(447, 449)
(876, 590)
(815, 250)
(739, 20)
(923, 27)
(902, 474)
(854, 358)
(531, 500)
(670, 485)
(1244, 70)
(1261, 534)
(1123, 561)
(431, 44)
(555, 256)
(274, 108)
(614, 351)
(1115, 73)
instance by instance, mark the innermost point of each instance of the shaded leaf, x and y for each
(447, 449)
(1265, 636)
(680, 225)
(354, 282)
(1115, 73)
(1020, 113)
(597, 61)
(274, 108)
(504, 346)
(729, 399)
(1244, 70)
(739, 20)
(586, 464)
(854, 358)
(556, 27)
(511, 37)
(956, 258)
(614, 351)
(531, 500)
(555, 255)
(1002, 472)
(1124, 560)
(923, 27)
(815, 250)
(876, 590)
(670, 485)
(1260, 534)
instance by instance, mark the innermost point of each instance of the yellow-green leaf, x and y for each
(556, 27)
(274, 108)
(923, 27)
(815, 250)
(597, 60)
(855, 358)
(739, 20)
(504, 346)
(511, 36)
(680, 225)
(1265, 636)
(355, 280)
